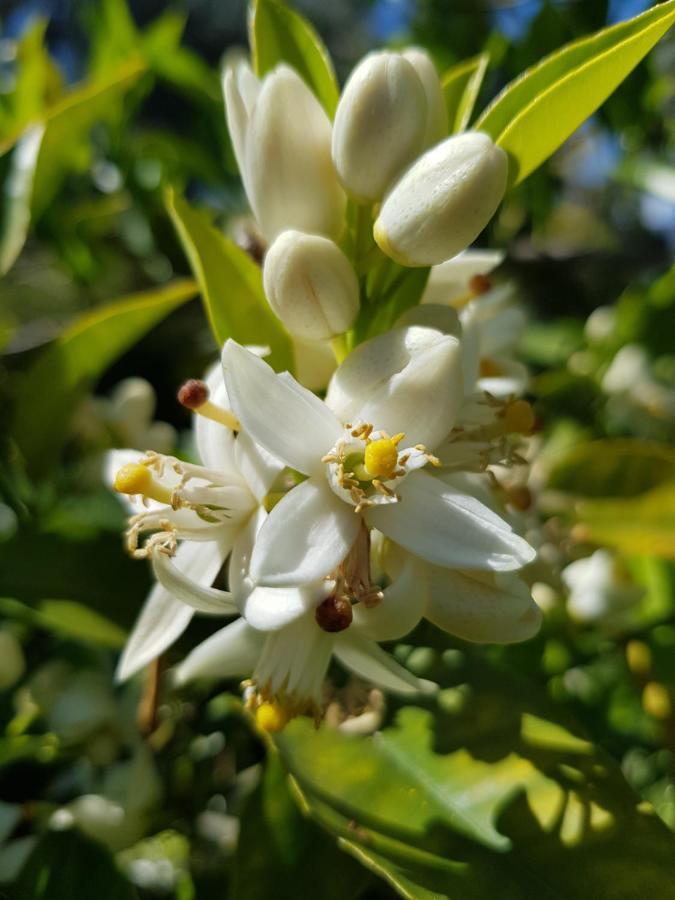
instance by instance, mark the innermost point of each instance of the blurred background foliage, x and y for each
(103, 105)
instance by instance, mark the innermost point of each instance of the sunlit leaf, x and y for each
(65, 864)
(51, 389)
(493, 793)
(534, 114)
(17, 192)
(279, 34)
(461, 85)
(643, 525)
(230, 283)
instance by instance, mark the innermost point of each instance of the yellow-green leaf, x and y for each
(230, 284)
(52, 387)
(279, 34)
(534, 114)
(643, 525)
(461, 85)
(496, 794)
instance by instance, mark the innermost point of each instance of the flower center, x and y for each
(365, 464)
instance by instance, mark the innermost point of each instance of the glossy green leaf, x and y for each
(534, 114)
(52, 387)
(643, 525)
(230, 283)
(461, 85)
(490, 793)
(613, 468)
(401, 291)
(65, 865)
(279, 34)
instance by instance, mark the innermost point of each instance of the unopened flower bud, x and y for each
(334, 614)
(437, 115)
(310, 285)
(380, 124)
(281, 136)
(443, 202)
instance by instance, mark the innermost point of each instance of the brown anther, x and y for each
(479, 284)
(334, 614)
(520, 497)
(193, 394)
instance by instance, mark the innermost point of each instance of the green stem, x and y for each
(339, 347)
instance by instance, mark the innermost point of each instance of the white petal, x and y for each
(163, 618)
(399, 611)
(240, 558)
(232, 651)
(201, 598)
(258, 467)
(307, 534)
(451, 278)
(406, 380)
(288, 420)
(370, 661)
(449, 528)
(482, 607)
(269, 609)
(215, 442)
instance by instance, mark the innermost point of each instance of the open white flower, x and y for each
(363, 450)
(598, 592)
(195, 513)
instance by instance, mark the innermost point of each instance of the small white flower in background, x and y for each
(205, 508)
(380, 124)
(598, 591)
(443, 201)
(282, 138)
(311, 285)
(636, 398)
(492, 321)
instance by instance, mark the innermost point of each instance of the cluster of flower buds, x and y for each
(388, 151)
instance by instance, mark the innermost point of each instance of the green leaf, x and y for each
(283, 854)
(76, 621)
(643, 525)
(492, 793)
(402, 290)
(461, 85)
(534, 114)
(49, 393)
(230, 284)
(618, 467)
(64, 865)
(279, 34)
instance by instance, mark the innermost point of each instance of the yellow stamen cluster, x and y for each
(270, 716)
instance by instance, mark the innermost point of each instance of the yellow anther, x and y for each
(381, 457)
(218, 414)
(135, 478)
(271, 717)
(518, 417)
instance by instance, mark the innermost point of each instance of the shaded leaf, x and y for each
(66, 864)
(230, 284)
(461, 85)
(279, 34)
(613, 467)
(77, 621)
(282, 853)
(52, 387)
(534, 114)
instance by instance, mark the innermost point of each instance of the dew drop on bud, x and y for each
(193, 394)
(334, 614)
